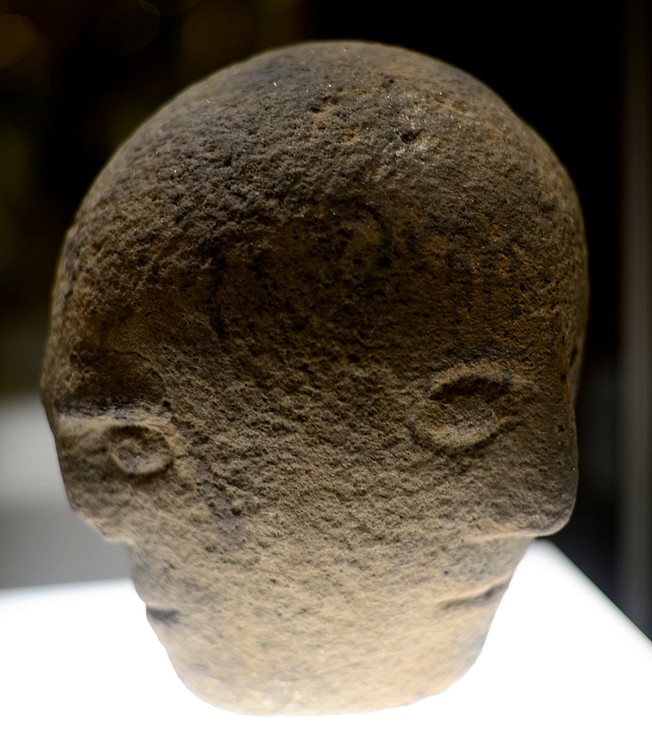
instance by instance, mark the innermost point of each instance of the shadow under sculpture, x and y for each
(315, 338)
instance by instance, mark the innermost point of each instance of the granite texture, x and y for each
(315, 337)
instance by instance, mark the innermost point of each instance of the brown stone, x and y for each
(315, 337)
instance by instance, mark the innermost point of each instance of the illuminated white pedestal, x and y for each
(562, 668)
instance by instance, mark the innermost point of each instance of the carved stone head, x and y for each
(315, 336)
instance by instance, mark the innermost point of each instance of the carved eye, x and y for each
(138, 450)
(469, 405)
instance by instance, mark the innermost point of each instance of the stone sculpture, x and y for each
(315, 337)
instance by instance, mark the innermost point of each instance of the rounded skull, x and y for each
(314, 343)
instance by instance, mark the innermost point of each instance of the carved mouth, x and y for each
(490, 597)
(158, 616)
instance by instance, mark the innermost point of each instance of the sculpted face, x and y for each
(318, 374)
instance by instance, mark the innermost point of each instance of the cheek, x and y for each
(94, 491)
(528, 479)
(116, 476)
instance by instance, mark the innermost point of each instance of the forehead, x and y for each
(348, 266)
(358, 308)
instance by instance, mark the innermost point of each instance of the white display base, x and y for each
(562, 668)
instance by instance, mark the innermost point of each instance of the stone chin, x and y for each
(398, 665)
(293, 644)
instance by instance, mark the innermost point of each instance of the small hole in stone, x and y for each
(409, 136)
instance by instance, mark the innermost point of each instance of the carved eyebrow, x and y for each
(465, 374)
(134, 414)
(110, 381)
(120, 408)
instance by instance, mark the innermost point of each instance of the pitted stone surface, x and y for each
(315, 337)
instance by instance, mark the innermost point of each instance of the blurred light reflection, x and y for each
(127, 26)
(17, 39)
